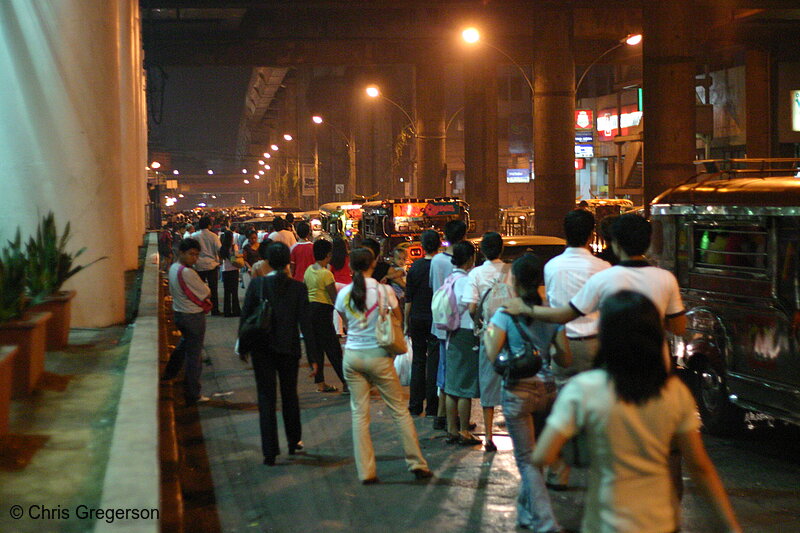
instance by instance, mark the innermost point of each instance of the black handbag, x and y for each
(523, 363)
(255, 329)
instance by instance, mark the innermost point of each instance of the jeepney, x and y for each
(732, 239)
(400, 221)
(340, 219)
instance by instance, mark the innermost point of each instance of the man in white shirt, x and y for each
(208, 263)
(564, 276)
(479, 281)
(441, 267)
(281, 234)
(188, 293)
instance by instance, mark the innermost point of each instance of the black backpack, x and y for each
(524, 363)
(256, 328)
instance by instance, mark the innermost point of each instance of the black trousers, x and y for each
(424, 366)
(326, 341)
(271, 368)
(230, 288)
(211, 277)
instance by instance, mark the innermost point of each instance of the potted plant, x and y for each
(49, 265)
(19, 326)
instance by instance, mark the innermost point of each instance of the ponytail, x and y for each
(360, 261)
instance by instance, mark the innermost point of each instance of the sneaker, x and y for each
(440, 422)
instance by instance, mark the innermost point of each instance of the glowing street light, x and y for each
(317, 119)
(633, 40)
(244, 171)
(247, 182)
(242, 201)
(471, 35)
(287, 137)
(260, 172)
(210, 172)
(155, 165)
(175, 172)
(267, 167)
(373, 91)
(630, 40)
(274, 147)
(261, 162)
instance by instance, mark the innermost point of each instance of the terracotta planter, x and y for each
(28, 334)
(7, 355)
(59, 305)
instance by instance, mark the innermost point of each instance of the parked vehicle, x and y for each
(732, 239)
(514, 246)
(340, 218)
(517, 221)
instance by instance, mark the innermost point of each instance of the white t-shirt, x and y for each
(284, 236)
(180, 301)
(659, 285)
(629, 485)
(564, 276)
(481, 279)
(361, 326)
(209, 250)
(459, 288)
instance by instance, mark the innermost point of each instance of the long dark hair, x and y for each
(339, 253)
(227, 244)
(527, 270)
(631, 346)
(361, 259)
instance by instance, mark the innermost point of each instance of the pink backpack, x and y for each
(444, 305)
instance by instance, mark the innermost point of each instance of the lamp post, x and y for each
(630, 40)
(473, 36)
(351, 150)
(373, 91)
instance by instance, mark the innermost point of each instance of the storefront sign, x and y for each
(584, 119)
(584, 138)
(796, 110)
(584, 150)
(518, 175)
(580, 164)
(608, 122)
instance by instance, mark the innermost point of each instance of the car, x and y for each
(515, 245)
(732, 239)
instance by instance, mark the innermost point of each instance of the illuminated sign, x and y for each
(584, 150)
(580, 164)
(608, 122)
(796, 110)
(583, 119)
(410, 210)
(583, 138)
(439, 209)
(518, 175)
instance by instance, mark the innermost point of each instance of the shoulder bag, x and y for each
(255, 329)
(388, 329)
(523, 363)
(205, 305)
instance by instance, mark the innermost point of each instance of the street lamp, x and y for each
(287, 137)
(274, 148)
(351, 147)
(473, 36)
(630, 40)
(374, 92)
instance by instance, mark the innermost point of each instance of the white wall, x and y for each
(72, 136)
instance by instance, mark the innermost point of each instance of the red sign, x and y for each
(441, 209)
(580, 164)
(608, 122)
(584, 119)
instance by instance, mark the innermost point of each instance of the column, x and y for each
(758, 98)
(480, 142)
(669, 95)
(553, 118)
(430, 126)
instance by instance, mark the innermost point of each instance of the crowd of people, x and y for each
(605, 384)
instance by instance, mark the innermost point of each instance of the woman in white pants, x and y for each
(366, 364)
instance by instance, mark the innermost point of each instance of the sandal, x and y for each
(327, 388)
(465, 438)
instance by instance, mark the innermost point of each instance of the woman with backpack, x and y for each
(366, 364)
(631, 412)
(461, 379)
(522, 396)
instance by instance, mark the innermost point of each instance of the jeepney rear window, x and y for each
(731, 249)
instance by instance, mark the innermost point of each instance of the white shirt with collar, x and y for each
(209, 249)
(564, 276)
(481, 279)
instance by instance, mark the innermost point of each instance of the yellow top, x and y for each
(317, 280)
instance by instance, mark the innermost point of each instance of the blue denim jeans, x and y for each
(189, 350)
(534, 510)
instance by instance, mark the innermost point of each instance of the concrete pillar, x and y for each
(61, 138)
(480, 142)
(430, 126)
(553, 119)
(758, 98)
(669, 95)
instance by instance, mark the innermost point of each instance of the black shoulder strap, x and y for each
(523, 331)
